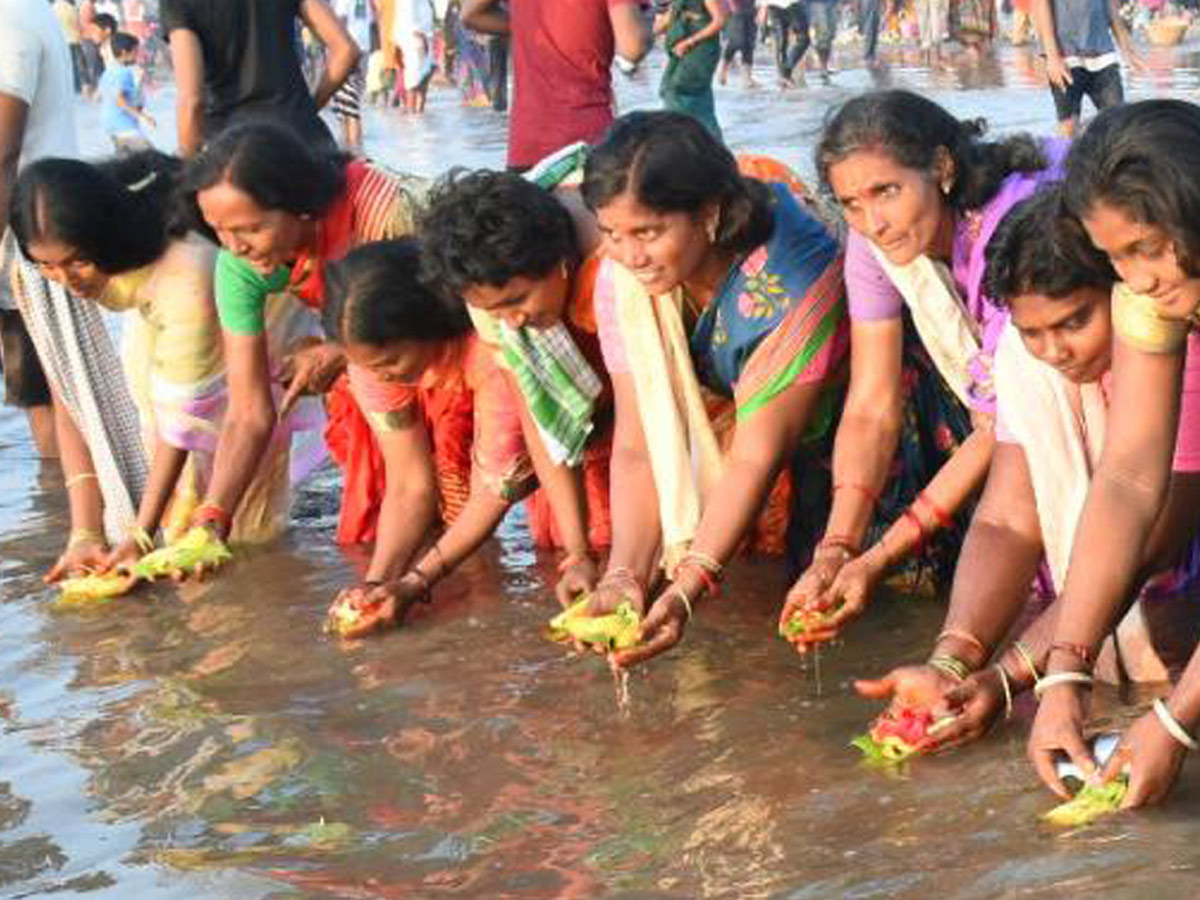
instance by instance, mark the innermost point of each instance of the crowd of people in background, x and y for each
(977, 364)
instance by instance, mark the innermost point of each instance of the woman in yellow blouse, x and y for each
(104, 232)
(1132, 182)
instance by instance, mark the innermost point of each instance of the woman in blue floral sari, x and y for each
(722, 323)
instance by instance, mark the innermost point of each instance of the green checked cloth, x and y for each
(558, 385)
(555, 379)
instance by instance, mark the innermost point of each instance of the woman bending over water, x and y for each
(108, 233)
(1054, 384)
(1132, 180)
(716, 282)
(283, 211)
(922, 193)
(446, 419)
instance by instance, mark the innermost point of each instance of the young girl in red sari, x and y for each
(447, 422)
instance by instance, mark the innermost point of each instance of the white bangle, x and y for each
(1174, 729)
(1008, 695)
(1049, 681)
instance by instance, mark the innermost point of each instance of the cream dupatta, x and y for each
(950, 334)
(1061, 427)
(684, 455)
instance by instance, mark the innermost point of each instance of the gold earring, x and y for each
(947, 187)
(712, 231)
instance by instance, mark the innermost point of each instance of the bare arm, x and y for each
(86, 544)
(474, 525)
(762, 446)
(485, 16)
(341, 53)
(410, 501)
(999, 558)
(247, 427)
(84, 497)
(187, 60)
(718, 13)
(631, 31)
(955, 482)
(636, 528)
(1126, 495)
(1043, 22)
(1121, 35)
(1123, 502)
(870, 426)
(13, 114)
(563, 484)
(165, 468)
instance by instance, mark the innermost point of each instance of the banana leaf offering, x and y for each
(198, 547)
(618, 630)
(806, 620)
(1092, 802)
(86, 590)
(894, 736)
(346, 616)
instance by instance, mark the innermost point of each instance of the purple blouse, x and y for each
(871, 296)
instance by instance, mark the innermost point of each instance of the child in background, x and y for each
(376, 79)
(122, 112)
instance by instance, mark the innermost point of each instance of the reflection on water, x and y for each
(210, 742)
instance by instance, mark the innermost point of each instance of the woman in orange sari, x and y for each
(447, 423)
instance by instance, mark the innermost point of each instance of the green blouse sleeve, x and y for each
(242, 293)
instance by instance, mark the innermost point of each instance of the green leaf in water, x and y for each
(1092, 802)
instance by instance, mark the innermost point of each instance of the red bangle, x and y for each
(841, 541)
(940, 515)
(706, 577)
(915, 520)
(207, 513)
(871, 495)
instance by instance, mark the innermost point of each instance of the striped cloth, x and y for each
(558, 384)
(559, 387)
(85, 373)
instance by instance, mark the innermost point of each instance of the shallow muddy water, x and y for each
(211, 742)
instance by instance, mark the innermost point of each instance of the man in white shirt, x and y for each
(36, 120)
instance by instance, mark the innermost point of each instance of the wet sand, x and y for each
(211, 742)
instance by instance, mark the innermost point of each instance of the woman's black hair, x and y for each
(376, 296)
(1039, 248)
(118, 215)
(911, 129)
(1144, 159)
(273, 165)
(671, 163)
(490, 227)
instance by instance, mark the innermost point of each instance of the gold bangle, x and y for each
(965, 636)
(709, 563)
(80, 478)
(950, 665)
(1027, 659)
(142, 538)
(84, 536)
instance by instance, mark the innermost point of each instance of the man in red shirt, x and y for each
(562, 63)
